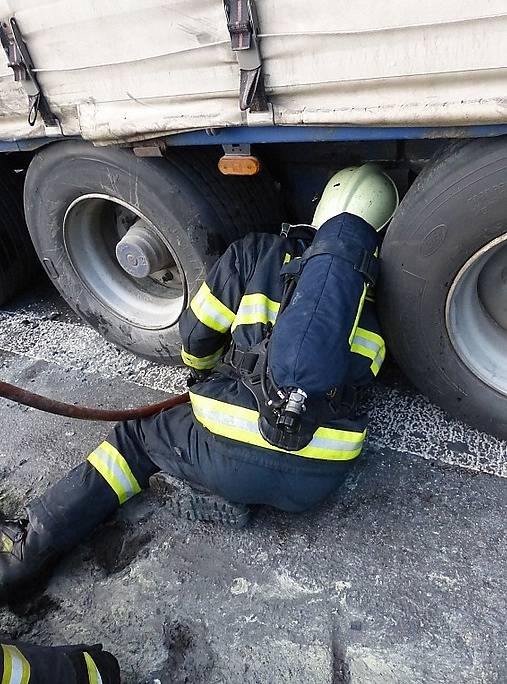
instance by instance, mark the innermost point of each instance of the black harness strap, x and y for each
(363, 261)
(251, 368)
(292, 269)
(243, 362)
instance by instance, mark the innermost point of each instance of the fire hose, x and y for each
(59, 408)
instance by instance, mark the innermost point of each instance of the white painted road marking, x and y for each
(401, 421)
(410, 423)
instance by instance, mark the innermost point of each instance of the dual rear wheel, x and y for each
(128, 240)
(443, 297)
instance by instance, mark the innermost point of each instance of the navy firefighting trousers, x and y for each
(120, 467)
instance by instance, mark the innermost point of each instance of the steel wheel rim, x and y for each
(93, 224)
(476, 314)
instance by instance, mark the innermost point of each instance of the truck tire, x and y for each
(18, 262)
(443, 294)
(251, 203)
(80, 201)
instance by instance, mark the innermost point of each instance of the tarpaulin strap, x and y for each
(20, 61)
(239, 25)
(249, 82)
(242, 25)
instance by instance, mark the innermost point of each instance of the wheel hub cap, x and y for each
(476, 314)
(140, 252)
(124, 261)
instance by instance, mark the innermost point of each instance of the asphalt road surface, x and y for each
(400, 577)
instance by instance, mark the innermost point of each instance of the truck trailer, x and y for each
(138, 138)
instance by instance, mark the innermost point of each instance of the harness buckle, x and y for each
(292, 268)
(368, 267)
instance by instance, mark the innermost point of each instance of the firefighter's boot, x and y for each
(196, 503)
(26, 557)
(92, 664)
(80, 664)
(56, 522)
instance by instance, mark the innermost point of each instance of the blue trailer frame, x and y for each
(237, 135)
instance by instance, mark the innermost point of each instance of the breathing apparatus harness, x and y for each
(289, 416)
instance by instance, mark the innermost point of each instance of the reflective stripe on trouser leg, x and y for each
(73, 507)
(115, 470)
(93, 671)
(16, 668)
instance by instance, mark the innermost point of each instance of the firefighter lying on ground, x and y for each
(279, 338)
(22, 663)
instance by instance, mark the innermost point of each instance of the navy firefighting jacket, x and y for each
(242, 293)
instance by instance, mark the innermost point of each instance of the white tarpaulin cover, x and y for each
(131, 69)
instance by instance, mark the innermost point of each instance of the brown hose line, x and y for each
(60, 408)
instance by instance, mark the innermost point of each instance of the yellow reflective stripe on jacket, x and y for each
(241, 424)
(256, 308)
(210, 310)
(201, 362)
(16, 666)
(93, 671)
(115, 470)
(358, 314)
(370, 344)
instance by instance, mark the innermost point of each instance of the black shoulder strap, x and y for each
(363, 261)
(292, 269)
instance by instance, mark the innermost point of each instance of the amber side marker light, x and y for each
(236, 165)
